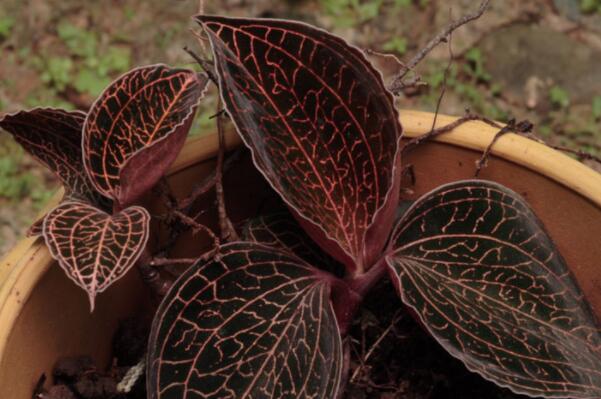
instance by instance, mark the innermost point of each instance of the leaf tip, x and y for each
(92, 300)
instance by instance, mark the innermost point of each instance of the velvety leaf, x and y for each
(479, 269)
(53, 136)
(321, 126)
(140, 110)
(94, 248)
(280, 230)
(253, 323)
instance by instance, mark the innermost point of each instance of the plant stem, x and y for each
(348, 295)
(228, 232)
(151, 276)
(363, 283)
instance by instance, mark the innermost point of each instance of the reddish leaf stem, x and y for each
(348, 295)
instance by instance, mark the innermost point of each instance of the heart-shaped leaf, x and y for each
(477, 266)
(94, 248)
(280, 230)
(321, 126)
(147, 107)
(53, 136)
(254, 323)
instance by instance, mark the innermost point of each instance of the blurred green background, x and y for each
(536, 60)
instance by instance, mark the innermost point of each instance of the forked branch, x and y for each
(398, 81)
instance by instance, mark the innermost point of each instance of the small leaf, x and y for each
(476, 265)
(53, 136)
(90, 82)
(559, 97)
(280, 230)
(254, 323)
(94, 248)
(321, 126)
(141, 109)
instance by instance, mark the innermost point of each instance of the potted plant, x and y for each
(265, 310)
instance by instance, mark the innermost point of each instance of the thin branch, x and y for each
(198, 191)
(228, 233)
(579, 153)
(416, 141)
(363, 359)
(206, 65)
(444, 81)
(397, 83)
(522, 127)
(172, 261)
(208, 183)
(197, 227)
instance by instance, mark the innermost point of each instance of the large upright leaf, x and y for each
(477, 266)
(254, 323)
(321, 126)
(53, 136)
(94, 248)
(280, 230)
(147, 108)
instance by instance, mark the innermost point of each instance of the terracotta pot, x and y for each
(44, 316)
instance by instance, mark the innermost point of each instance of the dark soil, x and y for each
(79, 378)
(391, 357)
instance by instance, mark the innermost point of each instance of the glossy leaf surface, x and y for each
(280, 230)
(256, 323)
(94, 248)
(53, 136)
(479, 269)
(141, 109)
(321, 126)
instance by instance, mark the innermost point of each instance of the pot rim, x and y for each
(28, 261)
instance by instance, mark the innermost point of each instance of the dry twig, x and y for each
(206, 65)
(228, 232)
(522, 127)
(398, 82)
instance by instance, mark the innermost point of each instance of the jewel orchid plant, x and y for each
(266, 316)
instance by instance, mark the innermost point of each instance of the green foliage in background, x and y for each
(6, 25)
(97, 65)
(17, 184)
(471, 82)
(347, 13)
(590, 6)
(559, 97)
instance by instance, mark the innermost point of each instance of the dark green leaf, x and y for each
(280, 230)
(320, 124)
(53, 137)
(477, 266)
(94, 248)
(136, 128)
(254, 323)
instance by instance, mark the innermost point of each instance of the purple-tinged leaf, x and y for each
(253, 323)
(141, 119)
(321, 126)
(53, 136)
(280, 230)
(94, 248)
(478, 268)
